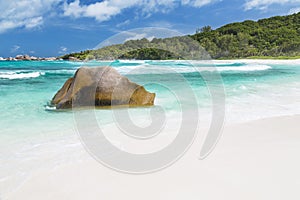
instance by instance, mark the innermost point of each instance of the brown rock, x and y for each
(23, 57)
(33, 58)
(62, 92)
(73, 59)
(26, 57)
(50, 59)
(101, 86)
(19, 57)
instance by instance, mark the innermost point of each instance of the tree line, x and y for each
(271, 37)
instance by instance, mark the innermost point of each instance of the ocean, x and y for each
(34, 135)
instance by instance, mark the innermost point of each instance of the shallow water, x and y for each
(34, 136)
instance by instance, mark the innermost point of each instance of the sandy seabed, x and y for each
(253, 160)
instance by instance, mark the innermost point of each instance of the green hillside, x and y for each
(273, 37)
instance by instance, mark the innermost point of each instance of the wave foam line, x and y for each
(245, 68)
(13, 75)
(142, 69)
(61, 71)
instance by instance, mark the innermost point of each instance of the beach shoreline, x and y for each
(248, 157)
(57, 59)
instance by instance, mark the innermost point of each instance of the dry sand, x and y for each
(252, 161)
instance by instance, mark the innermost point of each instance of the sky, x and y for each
(56, 27)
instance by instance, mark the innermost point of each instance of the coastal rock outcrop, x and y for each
(23, 57)
(101, 86)
(74, 59)
(29, 58)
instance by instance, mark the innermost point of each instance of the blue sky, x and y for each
(57, 27)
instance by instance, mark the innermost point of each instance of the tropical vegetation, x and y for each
(273, 37)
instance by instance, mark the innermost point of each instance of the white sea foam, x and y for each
(50, 108)
(146, 69)
(20, 75)
(245, 68)
(131, 61)
(248, 61)
(222, 62)
(259, 61)
(61, 71)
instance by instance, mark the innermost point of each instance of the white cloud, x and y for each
(15, 48)
(126, 22)
(150, 6)
(24, 13)
(33, 22)
(63, 50)
(264, 4)
(32, 13)
(294, 10)
(101, 11)
(104, 10)
(197, 3)
(200, 3)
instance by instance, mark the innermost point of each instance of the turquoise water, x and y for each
(33, 133)
(27, 87)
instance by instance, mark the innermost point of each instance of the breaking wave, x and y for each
(20, 75)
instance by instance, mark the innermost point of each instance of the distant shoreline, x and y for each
(29, 58)
(265, 58)
(10, 59)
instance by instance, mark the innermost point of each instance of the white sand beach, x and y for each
(253, 160)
